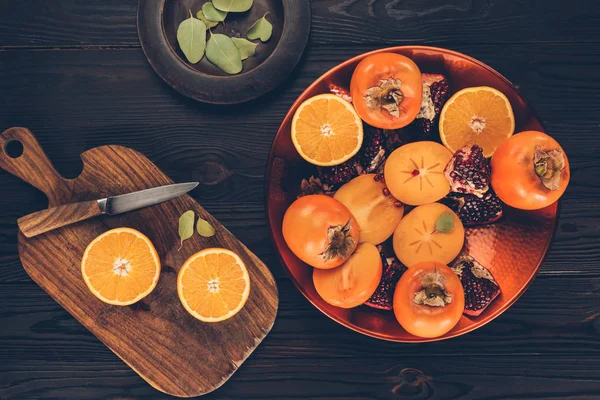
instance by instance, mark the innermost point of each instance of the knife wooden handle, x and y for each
(43, 221)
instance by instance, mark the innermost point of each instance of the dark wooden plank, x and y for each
(89, 98)
(569, 327)
(468, 378)
(533, 348)
(41, 23)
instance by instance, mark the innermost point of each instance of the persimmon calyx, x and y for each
(433, 291)
(548, 165)
(387, 95)
(340, 242)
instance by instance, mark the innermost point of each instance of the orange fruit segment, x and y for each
(326, 130)
(121, 266)
(213, 284)
(478, 115)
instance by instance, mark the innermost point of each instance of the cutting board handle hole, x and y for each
(13, 148)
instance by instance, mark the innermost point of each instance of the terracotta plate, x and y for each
(512, 249)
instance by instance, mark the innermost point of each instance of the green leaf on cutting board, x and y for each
(191, 36)
(261, 29)
(445, 222)
(212, 14)
(246, 47)
(186, 226)
(222, 52)
(204, 228)
(209, 24)
(233, 5)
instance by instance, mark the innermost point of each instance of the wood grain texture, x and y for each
(73, 71)
(533, 349)
(380, 22)
(156, 337)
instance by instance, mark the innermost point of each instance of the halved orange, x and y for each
(326, 130)
(213, 284)
(121, 266)
(479, 115)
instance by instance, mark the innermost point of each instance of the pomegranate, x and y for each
(473, 210)
(372, 154)
(468, 171)
(377, 214)
(340, 91)
(435, 95)
(314, 185)
(340, 174)
(479, 284)
(394, 138)
(392, 271)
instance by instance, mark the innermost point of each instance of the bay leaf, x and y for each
(261, 29)
(204, 228)
(191, 36)
(186, 226)
(222, 52)
(246, 47)
(212, 14)
(445, 222)
(209, 24)
(233, 5)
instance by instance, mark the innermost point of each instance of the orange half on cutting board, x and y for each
(121, 266)
(213, 284)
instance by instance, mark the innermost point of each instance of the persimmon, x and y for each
(417, 237)
(530, 171)
(386, 90)
(352, 283)
(414, 173)
(320, 231)
(429, 299)
(377, 214)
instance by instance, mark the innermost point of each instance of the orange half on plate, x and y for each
(326, 130)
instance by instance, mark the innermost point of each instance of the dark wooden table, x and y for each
(74, 73)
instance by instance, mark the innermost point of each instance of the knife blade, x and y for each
(143, 198)
(43, 221)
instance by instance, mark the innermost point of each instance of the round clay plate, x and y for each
(273, 61)
(512, 248)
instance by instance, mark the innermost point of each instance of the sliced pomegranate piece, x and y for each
(468, 171)
(384, 295)
(314, 185)
(372, 153)
(340, 91)
(473, 210)
(479, 284)
(435, 95)
(338, 175)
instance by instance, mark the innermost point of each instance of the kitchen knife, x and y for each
(43, 221)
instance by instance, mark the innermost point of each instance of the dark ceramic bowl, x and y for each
(512, 249)
(272, 63)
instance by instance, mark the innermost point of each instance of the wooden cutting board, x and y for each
(156, 337)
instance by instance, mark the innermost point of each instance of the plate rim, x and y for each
(268, 176)
(190, 82)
